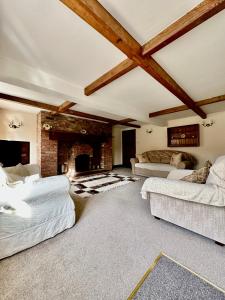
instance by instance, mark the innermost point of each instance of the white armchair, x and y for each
(197, 207)
(31, 212)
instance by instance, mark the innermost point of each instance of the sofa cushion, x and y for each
(178, 174)
(155, 166)
(176, 158)
(142, 158)
(197, 176)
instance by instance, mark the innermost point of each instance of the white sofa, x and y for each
(157, 163)
(197, 207)
(33, 211)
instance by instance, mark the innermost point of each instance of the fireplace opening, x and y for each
(82, 163)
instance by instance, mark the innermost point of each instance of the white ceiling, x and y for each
(48, 53)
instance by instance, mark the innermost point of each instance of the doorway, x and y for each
(128, 146)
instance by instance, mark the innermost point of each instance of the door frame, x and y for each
(126, 129)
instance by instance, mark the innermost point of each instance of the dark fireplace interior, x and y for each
(14, 152)
(82, 163)
(79, 153)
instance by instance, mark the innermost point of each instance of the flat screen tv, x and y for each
(14, 152)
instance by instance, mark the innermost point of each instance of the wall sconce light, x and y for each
(13, 124)
(47, 126)
(208, 123)
(149, 130)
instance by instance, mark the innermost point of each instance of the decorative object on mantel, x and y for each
(47, 126)
(149, 130)
(208, 123)
(183, 136)
(14, 124)
(83, 131)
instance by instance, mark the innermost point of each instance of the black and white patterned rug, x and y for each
(91, 185)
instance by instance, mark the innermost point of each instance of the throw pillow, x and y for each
(198, 176)
(141, 158)
(176, 158)
(208, 164)
(3, 177)
(21, 170)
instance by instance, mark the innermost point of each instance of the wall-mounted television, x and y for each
(14, 152)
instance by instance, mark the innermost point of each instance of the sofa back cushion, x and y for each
(164, 156)
(29, 169)
(176, 158)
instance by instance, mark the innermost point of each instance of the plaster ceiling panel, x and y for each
(48, 36)
(197, 59)
(146, 18)
(139, 90)
(97, 112)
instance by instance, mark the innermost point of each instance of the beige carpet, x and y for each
(106, 253)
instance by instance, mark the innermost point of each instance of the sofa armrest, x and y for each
(186, 164)
(133, 161)
(28, 191)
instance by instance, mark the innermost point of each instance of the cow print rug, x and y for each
(91, 185)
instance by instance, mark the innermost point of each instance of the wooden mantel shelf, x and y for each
(78, 137)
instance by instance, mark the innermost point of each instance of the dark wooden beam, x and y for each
(199, 14)
(193, 18)
(102, 21)
(65, 106)
(121, 69)
(29, 102)
(157, 72)
(128, 120)
(54, 108)
(184, 107)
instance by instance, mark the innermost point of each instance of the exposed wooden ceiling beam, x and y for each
(193, 18)
(98, 118)
(102, 21)
(121, 69)
(157, 72)
(127, 120)
(199, 14)
(65, 106)
(54, 108)
(29, 102)
(184, 107)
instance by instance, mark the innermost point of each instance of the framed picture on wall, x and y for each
(183, 136)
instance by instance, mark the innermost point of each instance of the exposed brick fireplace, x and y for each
(61, 148)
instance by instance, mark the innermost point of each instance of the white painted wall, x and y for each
(117, 145)
(212, 139)
(26, 133)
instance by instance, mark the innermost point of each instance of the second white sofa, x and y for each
(202, 208)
